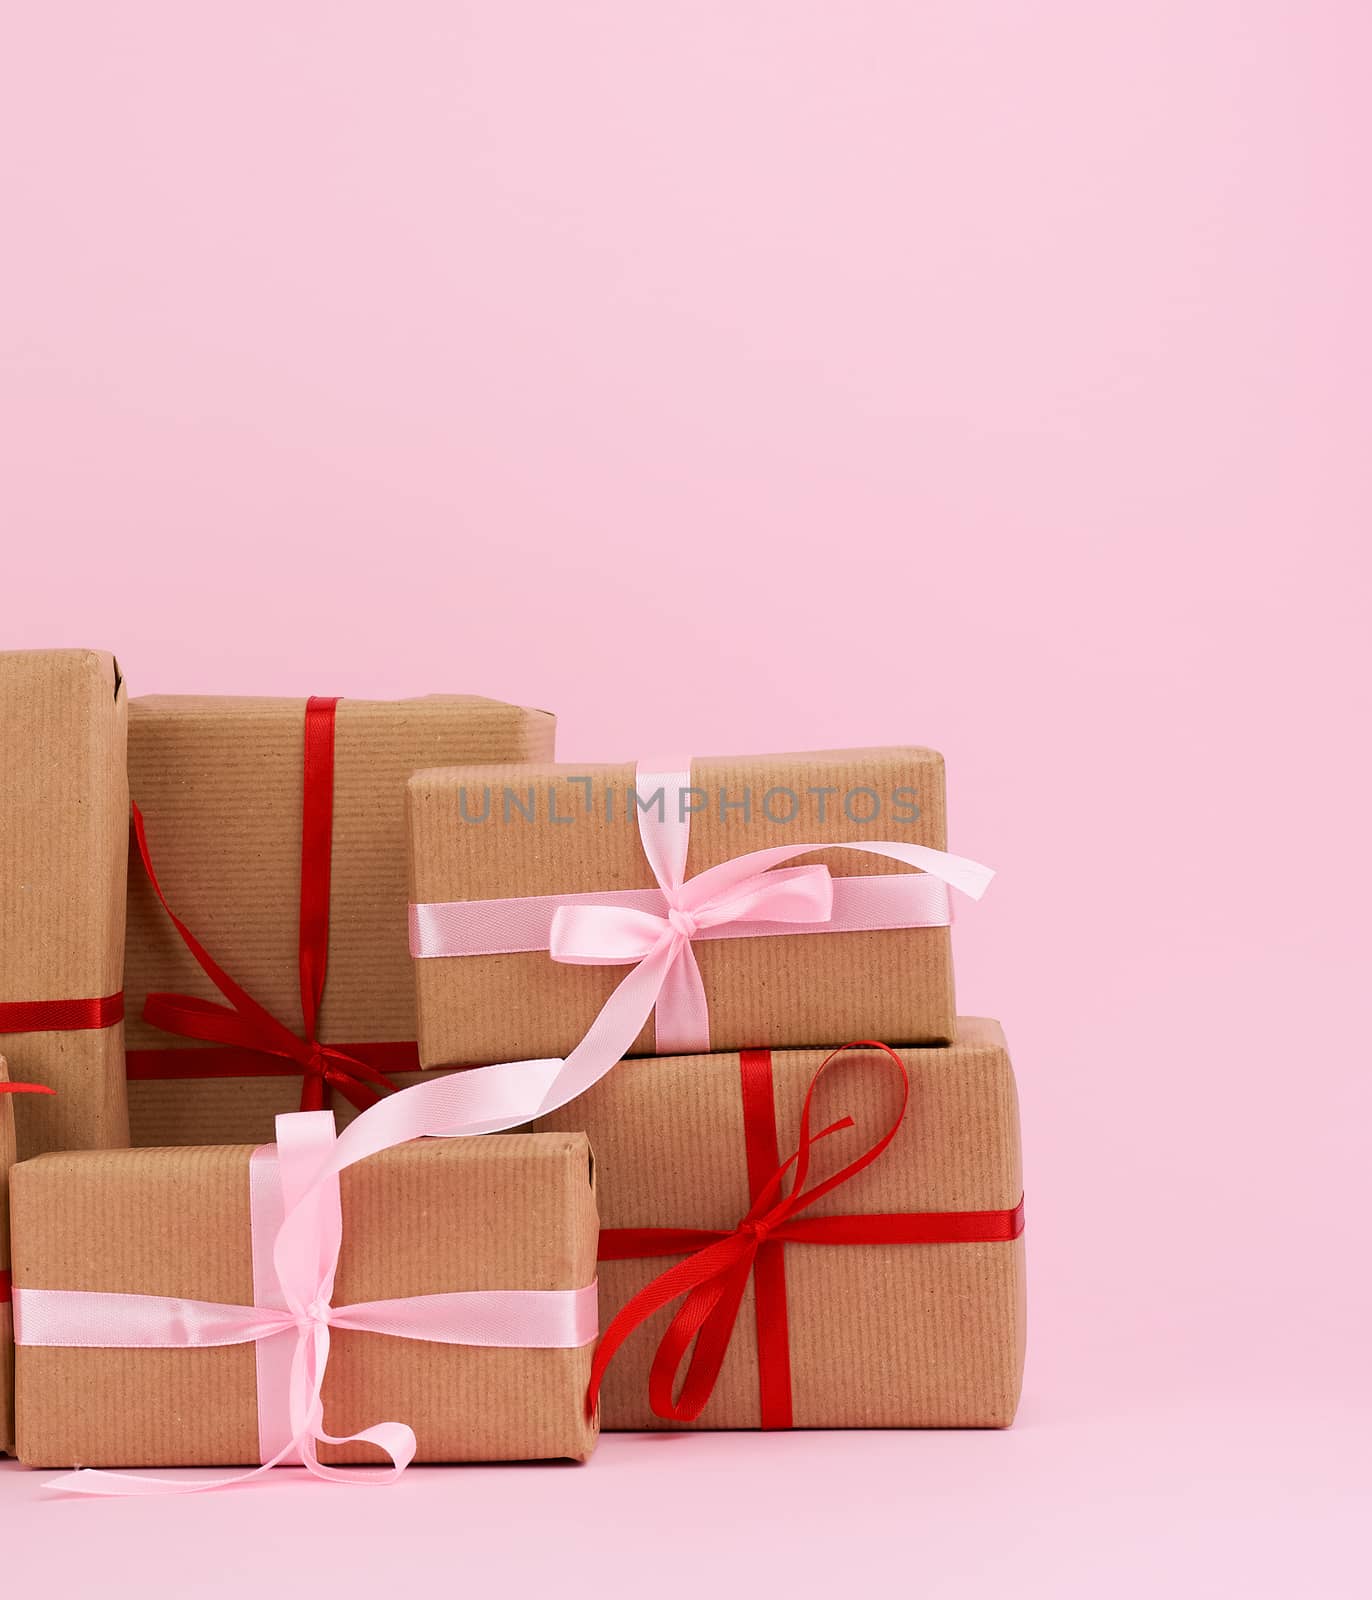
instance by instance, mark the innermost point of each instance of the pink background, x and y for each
(743, 375)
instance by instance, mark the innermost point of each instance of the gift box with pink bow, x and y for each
(681, 906)
(327, 1299)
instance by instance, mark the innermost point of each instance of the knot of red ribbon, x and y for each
(244, 1025)
(712, 1279)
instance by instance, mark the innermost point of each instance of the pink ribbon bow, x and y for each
(748, 896)
(297, 1231)
(720, 899)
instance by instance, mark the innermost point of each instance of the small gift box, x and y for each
(795, 1241)
(795, 900)
(275, 830)
(64, 805)
(228, 1305)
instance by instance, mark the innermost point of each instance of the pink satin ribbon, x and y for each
(297, 1231)
(751, 896)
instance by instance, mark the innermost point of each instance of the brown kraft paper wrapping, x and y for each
(881, 1336)
(790, 990)
(7, 1160)
(63, 828)
(428, 1217)
(219, 783)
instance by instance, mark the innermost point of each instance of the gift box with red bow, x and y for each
(275, 973)
(64, 805)
(791, 1240)
(680, 906)
(320, 1301)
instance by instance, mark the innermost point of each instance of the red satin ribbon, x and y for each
(60, 1016)
(252, 1043)
(714, 1276)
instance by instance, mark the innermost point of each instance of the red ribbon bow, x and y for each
(248, 1030)
(714, 1276)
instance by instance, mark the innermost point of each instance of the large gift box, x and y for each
(878, 1281)
(276, 831)
(190, 1306)
(715, 882)
(63, 829)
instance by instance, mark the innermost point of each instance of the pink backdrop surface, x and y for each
(747, 376)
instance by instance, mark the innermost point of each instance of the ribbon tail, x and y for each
(210, 1022)
(614, 1030)
(971, 877)
(396, 1439)
(312, 1095)
(358, 1095)
(682, 1018)
(677, 1280)
(357, 1081)
(97, 1481)
(707, 1316)
(238, 997)
(491, 1099)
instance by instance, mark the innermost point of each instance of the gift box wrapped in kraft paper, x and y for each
(276, 973)
(876, 1280)
(314, 1302)
(790, 900)
(64, 806)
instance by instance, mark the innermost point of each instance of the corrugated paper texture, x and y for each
(64, 808)
(219, 783)
(881, 1336)
(8, 1154)
(793, 990)
(429, 1217)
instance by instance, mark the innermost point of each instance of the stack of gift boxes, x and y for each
(372, 1064)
